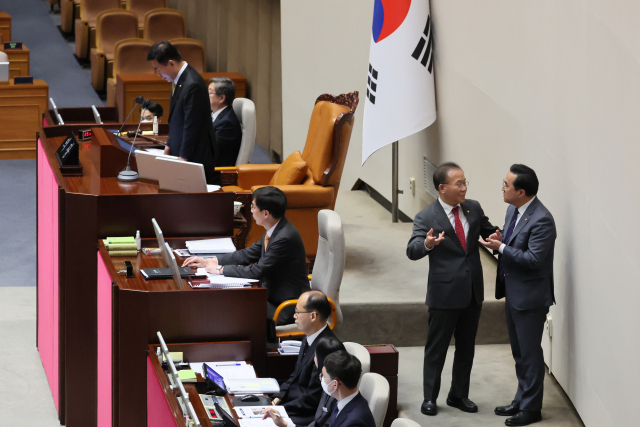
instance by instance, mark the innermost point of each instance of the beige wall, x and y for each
(244, 36)
(552, 84)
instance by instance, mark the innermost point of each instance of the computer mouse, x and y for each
(250, 398)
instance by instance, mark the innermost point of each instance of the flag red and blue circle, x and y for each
(388, 15)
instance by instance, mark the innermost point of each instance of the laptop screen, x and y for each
(215, 377)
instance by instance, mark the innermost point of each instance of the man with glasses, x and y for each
(447, 231)
(301, 393)
(278, 258)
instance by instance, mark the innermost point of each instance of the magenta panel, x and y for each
(158, 411)
(105, 397)
(48, 271)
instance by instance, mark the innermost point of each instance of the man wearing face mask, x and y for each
(153, 110)
(300, 394)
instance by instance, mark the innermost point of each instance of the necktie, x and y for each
(505, 240)
(266, 242)
(173, 88)
(459, 228)
(334, 415)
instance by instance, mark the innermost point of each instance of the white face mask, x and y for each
(146, 121)
(325, 387)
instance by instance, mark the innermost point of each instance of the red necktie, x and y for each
(459, 228)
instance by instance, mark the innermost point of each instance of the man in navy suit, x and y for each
(340, 376)
(525, 279)
(222, 92)
(191, 136)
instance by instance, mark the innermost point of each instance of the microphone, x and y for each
(139, 100)
(127, 175)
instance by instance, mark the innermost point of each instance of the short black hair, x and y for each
(271, 199)
(326, 346)
(155, 109)
(526, 179)
(342, 366)
(441, 174)
(317, 301)
(163, 52)
(224, 86)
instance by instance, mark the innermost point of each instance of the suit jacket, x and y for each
(228, 137)
(190, 129)
(301, 393)
(528, 259)
(453, 273)
(282, 267)
(323, 413)
(356, 413)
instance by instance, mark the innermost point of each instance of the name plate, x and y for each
(12, 45)
(23, 80)
(68, 157)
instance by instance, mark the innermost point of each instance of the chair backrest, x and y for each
(130, 56)
(245, 109)
(404, 422)
(375, 388)
(90, 9)
(141, 7)
(192, 51)
(4, 57)
(114, 25)
(164, 24)
(359, 351)
(328, 267)
(328, 137)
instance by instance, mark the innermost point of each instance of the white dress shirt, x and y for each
(311, 338)
(343, 402)
(173, 84)
(214, 116)
(448, 209)
(521, 210)
(270, 231)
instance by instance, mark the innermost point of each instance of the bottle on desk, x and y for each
(155, 125)
(138, 240)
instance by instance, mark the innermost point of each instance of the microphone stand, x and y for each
(139, 100)
(128, 175)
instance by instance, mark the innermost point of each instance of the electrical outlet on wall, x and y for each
(412, 185)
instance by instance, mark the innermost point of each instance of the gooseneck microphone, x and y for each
(139, 100)
(127, 175)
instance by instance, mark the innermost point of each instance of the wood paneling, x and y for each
(5, 27)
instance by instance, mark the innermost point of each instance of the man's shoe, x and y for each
(508, 410)
(463, 404)
(429, 407)
(524, 418)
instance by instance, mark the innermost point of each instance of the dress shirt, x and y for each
(184, 67)
(521, 210)
(270, 231)
(311, 338)
(214, 116)
(343, 402)
(452, 219)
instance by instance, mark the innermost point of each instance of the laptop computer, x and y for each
(167, 254)
(185, 177)
(148, 168)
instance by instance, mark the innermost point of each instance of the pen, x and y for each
(228, 364)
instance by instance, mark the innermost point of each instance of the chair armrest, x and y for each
(305, 196)
(228, 177)
(225, 168)
(252, 175)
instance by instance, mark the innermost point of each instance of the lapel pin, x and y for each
(468, 211)
(526, 219)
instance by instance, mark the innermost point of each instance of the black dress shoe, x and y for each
(508, 410)
(524, 418)
(463, 404)
(429, 407)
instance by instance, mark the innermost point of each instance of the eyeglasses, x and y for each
(460, 184)
(295, 311)
(504, 184)
(321, 376)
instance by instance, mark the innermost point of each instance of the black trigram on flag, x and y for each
(372, 84)
(425, 39)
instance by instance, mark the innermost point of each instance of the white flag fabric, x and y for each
(400, 97)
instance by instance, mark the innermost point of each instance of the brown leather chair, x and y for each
(164, 24)
(111, 26)
(141, 7)
(86, 25)
(192, 51)
(69, 11)
(312, 177)
(129, 56)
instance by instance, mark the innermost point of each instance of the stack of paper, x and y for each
(121, 246)
(217, 281)
(256, 411)
(228, 370)
(211, 246)
(252, 385)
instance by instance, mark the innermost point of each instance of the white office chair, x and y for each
(245, 109)
(375, 388)
(328, 267)
(404, 422)
(360, 351)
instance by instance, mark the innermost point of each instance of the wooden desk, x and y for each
(150, 86)
(21, 109)
(137, 309)
(82, 116)
(18, 61)
(73, 213)
(5, 27)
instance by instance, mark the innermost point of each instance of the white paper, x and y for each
(211, 188)
(256, 411)
(222, 245)
(223, 280)
(219, 366)
(252, 385)
(257, 422)
(235, 372)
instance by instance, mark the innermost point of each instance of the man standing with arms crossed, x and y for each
(447, 231)
(525, 278)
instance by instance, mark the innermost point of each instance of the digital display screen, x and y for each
(84, 135)
(215, 377)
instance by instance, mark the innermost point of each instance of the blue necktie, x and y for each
(507, 236)
(334, 415)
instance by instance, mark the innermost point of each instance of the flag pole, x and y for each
(394, 182)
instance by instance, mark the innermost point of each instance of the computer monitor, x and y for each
(171, 260)
(185, 177)
(148, 168)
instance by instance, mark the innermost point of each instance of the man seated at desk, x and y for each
(222, 92)
(153, 110)
(301, 393)
(278, 258)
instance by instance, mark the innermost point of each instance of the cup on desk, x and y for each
(236, 208)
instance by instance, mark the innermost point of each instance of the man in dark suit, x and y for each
(447, 232)
(278, 258)
(191, 135)
(525, 278)
(222, 92)
(301, 393)
(340, 376)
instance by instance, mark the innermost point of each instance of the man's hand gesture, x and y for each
(431, 240)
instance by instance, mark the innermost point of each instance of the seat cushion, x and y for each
(291, 172)
(231, 189)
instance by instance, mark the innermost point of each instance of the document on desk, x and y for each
(211, 188)
(252, 385)
(222, 245)
(256, 411)
(228, 372)
(258, 422)
(217, 279)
